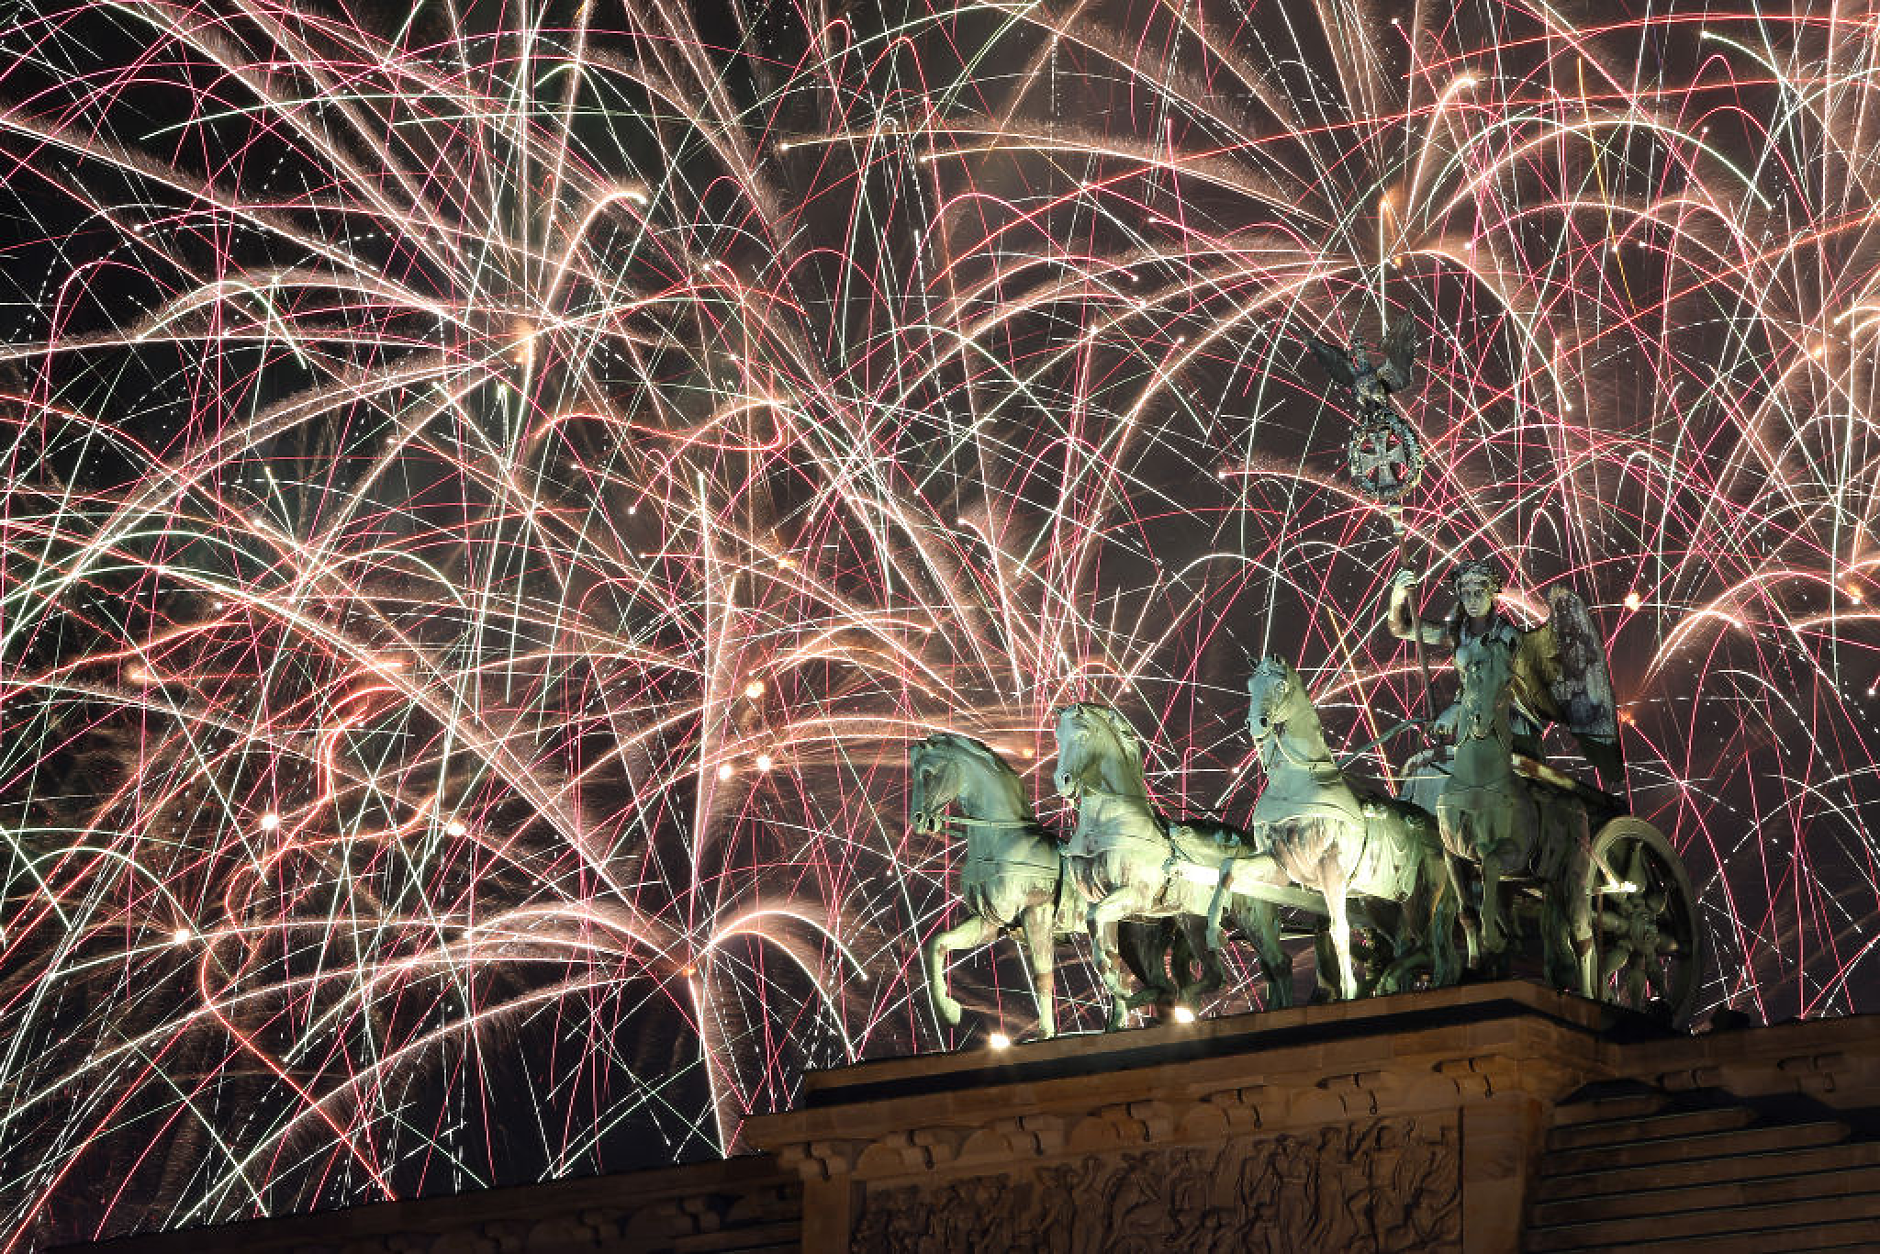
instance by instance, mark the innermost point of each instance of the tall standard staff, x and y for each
(1384, 455)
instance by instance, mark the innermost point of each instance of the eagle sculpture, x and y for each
(1373, 382)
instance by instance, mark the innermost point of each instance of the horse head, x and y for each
(1273, 691)
(1487, 674)
(948, 769)
(1097, 750)
(933, 782)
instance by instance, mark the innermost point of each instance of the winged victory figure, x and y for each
(1559, 669)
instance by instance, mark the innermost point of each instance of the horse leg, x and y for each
(1584, 963)
(1041, 948)
(1567, 943)
(1445, 969)
(1213, 970)
(975, 931)
(1407, 948)
(1189, 954)
(1470, 917)
(1103, 918)
(1324, 964)
(1338, 909)
(1494, 917)
(1149, 950)
(1260, 919)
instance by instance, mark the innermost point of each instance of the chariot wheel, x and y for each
(1645, 939)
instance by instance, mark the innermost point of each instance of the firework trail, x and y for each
(492, 492)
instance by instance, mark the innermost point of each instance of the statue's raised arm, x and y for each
(1400, 616)
(1558, 671)
(1476, 623)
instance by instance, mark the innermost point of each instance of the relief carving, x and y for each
(1374, 1186)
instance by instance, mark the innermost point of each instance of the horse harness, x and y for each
(1032, 827)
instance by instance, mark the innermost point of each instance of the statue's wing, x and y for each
(1581, 683)
(1400, 350)
(1336, 361)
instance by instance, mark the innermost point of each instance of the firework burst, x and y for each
(491, 493)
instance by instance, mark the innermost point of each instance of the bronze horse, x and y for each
(1014, 877)
(1344, 844)
(1133, 863)
(1496, 825)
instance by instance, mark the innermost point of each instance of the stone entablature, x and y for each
(1412, 1122)
(1380, 1184)
(1385, 1124)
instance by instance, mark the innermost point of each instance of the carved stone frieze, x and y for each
(1381, 1184)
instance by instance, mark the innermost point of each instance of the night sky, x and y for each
(493, 492)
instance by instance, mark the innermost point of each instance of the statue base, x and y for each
(1490, 1117)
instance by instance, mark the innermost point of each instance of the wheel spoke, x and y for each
(1647, 937)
